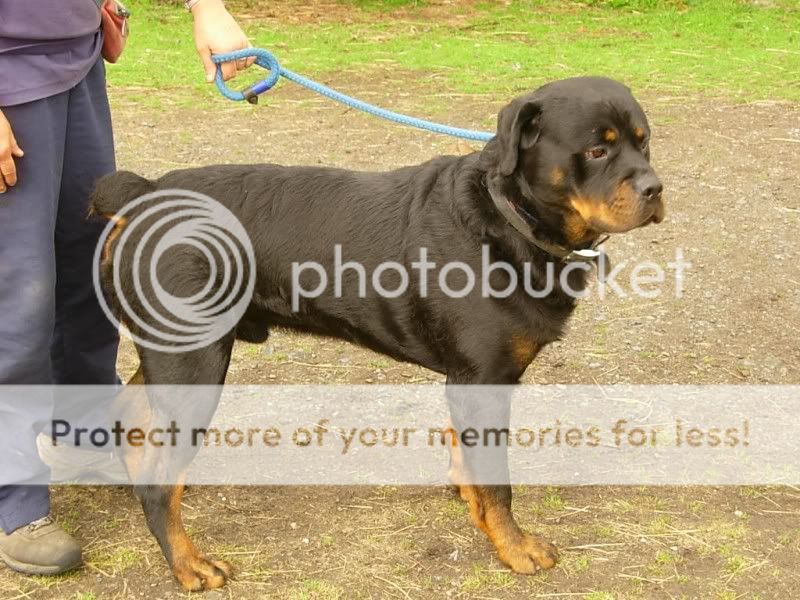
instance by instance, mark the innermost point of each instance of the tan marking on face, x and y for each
(639, 133)
(577, 230)
(622, 212)
(556, 176)
(610, 135)
(523, 350)
(592, 211)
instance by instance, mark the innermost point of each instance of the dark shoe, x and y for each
(40, 548)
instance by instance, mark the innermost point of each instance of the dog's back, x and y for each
(321, 216)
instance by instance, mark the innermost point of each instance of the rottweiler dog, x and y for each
(570, 164)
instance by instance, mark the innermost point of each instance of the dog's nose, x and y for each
(648, 186)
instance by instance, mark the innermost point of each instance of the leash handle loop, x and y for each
(264, 59)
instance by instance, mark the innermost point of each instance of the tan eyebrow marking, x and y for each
(639, 133)
(610, 135)
(556, 176)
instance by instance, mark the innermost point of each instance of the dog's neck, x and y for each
(527, 224)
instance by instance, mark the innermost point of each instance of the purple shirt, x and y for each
(46, 47)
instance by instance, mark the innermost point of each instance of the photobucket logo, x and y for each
(200, 250)
(494, 279)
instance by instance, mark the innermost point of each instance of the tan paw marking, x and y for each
(529, 555)
(199, 572)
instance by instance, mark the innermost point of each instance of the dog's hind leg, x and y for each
(480, 472)
(132, 410)
(162, 502)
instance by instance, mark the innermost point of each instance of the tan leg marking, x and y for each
(119, 225)
(523, 553)
(523, 350)
(193, 570)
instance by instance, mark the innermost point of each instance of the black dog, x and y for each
(569, 164)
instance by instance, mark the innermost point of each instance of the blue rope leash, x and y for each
(266, 60)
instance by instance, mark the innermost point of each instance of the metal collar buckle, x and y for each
(592, 255)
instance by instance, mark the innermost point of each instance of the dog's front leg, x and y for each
(193, 570)
(480, 418)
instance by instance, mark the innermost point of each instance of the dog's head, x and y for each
(576, 154)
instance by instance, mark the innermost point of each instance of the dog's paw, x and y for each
(529, 554)
(197, 573)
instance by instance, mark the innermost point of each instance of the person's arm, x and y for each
(9, 149)
(216, 32)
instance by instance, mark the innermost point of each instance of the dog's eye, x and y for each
(596, 153)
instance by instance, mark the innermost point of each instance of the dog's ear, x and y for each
(518, 128)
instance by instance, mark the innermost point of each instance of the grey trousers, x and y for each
(52, 330)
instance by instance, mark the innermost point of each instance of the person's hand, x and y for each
(216, 32)
(9, 149)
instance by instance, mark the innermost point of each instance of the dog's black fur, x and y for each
(573, 156)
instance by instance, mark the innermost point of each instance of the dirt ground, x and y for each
(730, 173)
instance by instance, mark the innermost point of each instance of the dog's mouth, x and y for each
(657, 214)
(624, 211)
(621, 217)
(653, 213)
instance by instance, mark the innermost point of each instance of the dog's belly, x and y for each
(370, 325)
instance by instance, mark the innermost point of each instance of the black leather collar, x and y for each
(524, 222)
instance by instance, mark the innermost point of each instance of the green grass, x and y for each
(384, 5)
(316, 589)
(720, 48)
(599, 596)
(455, 508)
(574, 565)
(48, 581)
(483, 578)
(667, 558)
(115, 561)
(552, 499)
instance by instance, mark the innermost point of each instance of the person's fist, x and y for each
(9, 150)
(216, 32)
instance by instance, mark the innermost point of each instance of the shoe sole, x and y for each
(27, 569)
